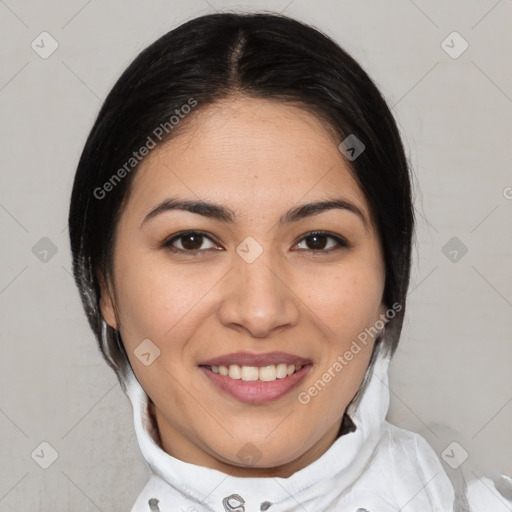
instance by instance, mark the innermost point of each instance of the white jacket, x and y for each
(377, 468)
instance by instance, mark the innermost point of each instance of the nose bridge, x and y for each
(258, 299)
(258, 271)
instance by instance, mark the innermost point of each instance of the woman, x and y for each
(241, 227)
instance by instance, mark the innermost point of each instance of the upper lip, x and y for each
(251, 359)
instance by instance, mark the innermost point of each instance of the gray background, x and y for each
(451, 378)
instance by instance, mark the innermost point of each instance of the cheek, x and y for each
(144, 297)
(158, 305)
(159, 301)
(346, 299)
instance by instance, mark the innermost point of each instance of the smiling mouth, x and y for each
(266, 373)
(257, 384)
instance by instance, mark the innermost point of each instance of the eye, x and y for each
(190, 241)
(319, 241)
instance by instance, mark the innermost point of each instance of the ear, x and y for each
(107, 306)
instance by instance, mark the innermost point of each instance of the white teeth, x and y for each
(253, 373)
(250, 373)
(235, 371)
(268, 373)
(282, 370)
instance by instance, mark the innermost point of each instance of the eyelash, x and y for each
(193, 252)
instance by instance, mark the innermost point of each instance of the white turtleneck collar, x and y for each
(341, 457)
(334, 478)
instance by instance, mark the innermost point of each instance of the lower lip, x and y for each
(255, 391)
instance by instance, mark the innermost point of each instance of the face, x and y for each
(248, 282)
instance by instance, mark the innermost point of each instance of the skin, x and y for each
(259, 158)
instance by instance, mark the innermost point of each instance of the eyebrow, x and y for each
(224, 214)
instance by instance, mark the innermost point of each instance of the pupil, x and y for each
(317, 246)
(196, 241)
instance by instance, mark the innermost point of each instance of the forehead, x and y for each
(248, 153)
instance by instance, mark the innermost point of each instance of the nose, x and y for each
(259, 296)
